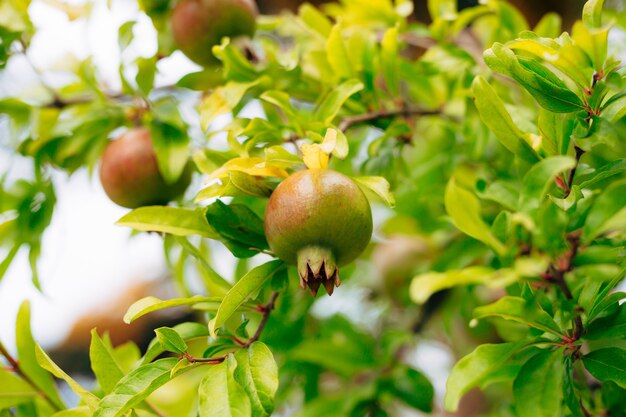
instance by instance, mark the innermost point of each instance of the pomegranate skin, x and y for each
(130, 175)
(198, 25)
(320, 220)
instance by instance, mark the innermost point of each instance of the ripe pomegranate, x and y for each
(198, 25)
(130, 175)
(320, 220)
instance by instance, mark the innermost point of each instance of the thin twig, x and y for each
(266, 310)
(572, 173)
(59, 103)
(556, 274)
(349, 121)
(18, 370)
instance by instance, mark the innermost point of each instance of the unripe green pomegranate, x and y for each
(198, 25)
(320, 220)
(130, 174)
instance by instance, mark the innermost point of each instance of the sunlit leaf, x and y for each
(379, 186)
(474, 368)
(608, 205)
(607, 364)
(149, 304)
(171, 340)
(219, 393)
(257, 373)
(172, 220)
(242, 290)
(44, 360)
(103, 363)
(538, 387)
(519, 310)
(27, 354)
(464, 208)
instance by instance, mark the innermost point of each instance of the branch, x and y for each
(15, 367)
(556, 273)
(349, 121)
(266, 310)
(572, 173)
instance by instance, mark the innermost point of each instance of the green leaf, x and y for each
(237, 183)
(549, 26)
(222, 101)
(379, 186)
(540, 178)
(608, 364)
(337, 54)
(149, 304)
(411, 387)
(242, 290)
(611, 326)
(498, 120)
(14, 390)
(474, 369)
(186, 331)
(125, 34)
(315, 19)
(592, 13)
(205, 80)
(44, 360)
(171, 340)
(219, 393)
(146, 70)
(281, 100)
(561, 58)
(173, 220)
(280, 157)
(388, 60)
(519, 310)
(257, 373)
(236, 66)
(240, 228)
(606, 300)
(171, 146)
(547, 88)
(213, 281)
(26, 352)
(338, 354)
(569, 388)
(136, 386)
(607, 206)
(6, 262)
(332, 103)
(606, 171)
(464, 208)
(538, 388)
(443, 9)
(103, 362)
(426, 284)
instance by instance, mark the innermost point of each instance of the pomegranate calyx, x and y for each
(316, 267)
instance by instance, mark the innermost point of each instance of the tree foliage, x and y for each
(496, 151)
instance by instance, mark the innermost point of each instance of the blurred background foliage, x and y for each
(490, 139)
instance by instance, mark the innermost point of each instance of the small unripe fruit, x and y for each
(130, 174)
(198, 25)
(320, 220)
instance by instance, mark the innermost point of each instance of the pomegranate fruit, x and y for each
(130, 174)
(198, 25)
(320, 220)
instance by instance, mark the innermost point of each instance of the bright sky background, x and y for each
(86, 259)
